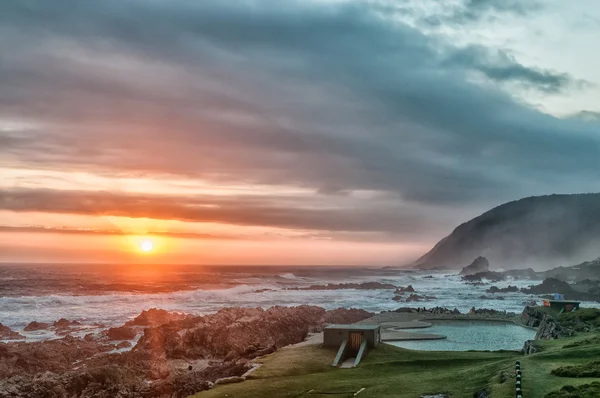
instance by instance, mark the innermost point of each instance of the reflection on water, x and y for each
(471, 335)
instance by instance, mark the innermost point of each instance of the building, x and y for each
(352, 340)
(561, 306)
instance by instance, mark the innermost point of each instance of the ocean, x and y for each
(102, 296)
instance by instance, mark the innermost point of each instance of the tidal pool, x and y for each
(471, 335)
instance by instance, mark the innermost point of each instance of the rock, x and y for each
(480, 264)
(121, 333)
(489, 275)
(158, 370)
(230, 380)
(89, 337)
(549, 285)
(264, 290)
(397, 298)
(345, 316)
(485, 393)
(529, 348)
(407, 289)
(414, 297)
(484, 297)
(7, 334)
(509, 289)
(155, 317)
(33, 326)
(123, 344)
(63, 323)
(500, 298)
(346, 286)
(547, 327)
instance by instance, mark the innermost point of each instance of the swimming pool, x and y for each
(471, 335)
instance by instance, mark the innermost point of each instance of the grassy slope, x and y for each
(389, 371)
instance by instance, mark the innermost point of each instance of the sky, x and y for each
(331, 132)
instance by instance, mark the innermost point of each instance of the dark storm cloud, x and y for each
(332, 97)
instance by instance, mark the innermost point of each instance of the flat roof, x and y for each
(352, 327)
(563, 301)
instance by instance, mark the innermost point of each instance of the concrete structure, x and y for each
(561, 306)
(352, 340)
(334, 335)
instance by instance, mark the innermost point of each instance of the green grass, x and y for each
(390, 371)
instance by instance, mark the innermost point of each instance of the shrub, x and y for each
(591, 369)
(583, 391)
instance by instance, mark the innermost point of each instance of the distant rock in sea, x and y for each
(541, 231)
(480, 264)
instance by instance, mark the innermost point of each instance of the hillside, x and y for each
(540, 232)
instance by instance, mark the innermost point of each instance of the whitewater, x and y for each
(102, 296)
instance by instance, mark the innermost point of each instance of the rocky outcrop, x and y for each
(407, 289)
(509, 289)
(33, 326)
(434, 311)
(241, 331)
(480, 264)
(73, 367)
(489, 275)
(346, 286)
(416, 297)
(63, 323)
(346, 315)
(155, 317)
(584, 290)
(7, 334)
(52, 355)
(547, 326)
(549, 285)
(121, 333)
(529, 347)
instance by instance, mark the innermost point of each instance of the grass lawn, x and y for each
(389, 371)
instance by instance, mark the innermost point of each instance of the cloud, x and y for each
(267, 211)
(110, 232)
(499, 66)
(476, 10)
(335, 98)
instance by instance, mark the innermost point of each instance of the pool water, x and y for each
(471, 335)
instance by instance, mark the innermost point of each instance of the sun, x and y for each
(146, 246)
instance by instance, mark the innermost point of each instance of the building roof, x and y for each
(351, 327)
(563, 301)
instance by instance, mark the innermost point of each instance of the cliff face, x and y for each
(542, 232)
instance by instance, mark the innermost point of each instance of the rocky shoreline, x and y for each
(176, 355)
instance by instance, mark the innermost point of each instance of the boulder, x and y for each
(480, 264)
(33, 326)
